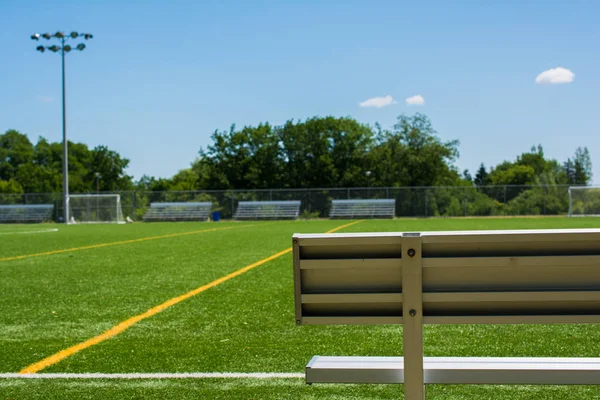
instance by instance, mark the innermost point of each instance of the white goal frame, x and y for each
(118, 210)
(581, 188)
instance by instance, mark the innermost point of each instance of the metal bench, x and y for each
(23, 213)
(191, 211)
(380, 208)
(289, 209)
(477, 277)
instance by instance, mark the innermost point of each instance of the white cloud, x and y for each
(45, 99)
(555, 76)
(417, 100)
(378, 102)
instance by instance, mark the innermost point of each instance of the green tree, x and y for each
(412, 154)
(38, 169)
(579, 169)
(482, 176)
(15, 150)
(111, 168)
(317, 152)
(528, 169)
(186, 179)
(387, 158)
(151, 184)
(242, 159)
(325, 152)
(534, 159)
(10, 187)
(512, 174)
(467, 177)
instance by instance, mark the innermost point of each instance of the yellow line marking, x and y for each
(120, 327)
(97, 246)
(345, 226)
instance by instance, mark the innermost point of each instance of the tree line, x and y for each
(323, 152)
(37, 168)
(318, 152)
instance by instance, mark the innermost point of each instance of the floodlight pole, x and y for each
(65, 143)
(63, 49)
(97, 192)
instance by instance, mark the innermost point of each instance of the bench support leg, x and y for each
(412, 316)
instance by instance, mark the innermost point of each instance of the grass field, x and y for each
(64, 285)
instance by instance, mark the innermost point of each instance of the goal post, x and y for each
(584, 201)
(95, 209)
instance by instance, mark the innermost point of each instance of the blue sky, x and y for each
(159, 77)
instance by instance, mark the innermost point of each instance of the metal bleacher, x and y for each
(19, 213)
(289, 209)
(380, 208)
(191, 211)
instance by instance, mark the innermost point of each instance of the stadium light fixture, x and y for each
(63, 49)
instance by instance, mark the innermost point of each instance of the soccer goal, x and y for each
(584, 201)
(95, 209)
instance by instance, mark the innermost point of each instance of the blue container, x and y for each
(216, 216)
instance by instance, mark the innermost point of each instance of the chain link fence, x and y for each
(451, 201)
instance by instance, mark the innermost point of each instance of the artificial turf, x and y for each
(246, 324)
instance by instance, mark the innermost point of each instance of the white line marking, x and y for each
(157, 375)
(30, 232)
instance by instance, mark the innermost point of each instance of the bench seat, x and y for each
(457, 370)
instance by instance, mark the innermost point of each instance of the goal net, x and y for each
(584, 201)
(95, 209)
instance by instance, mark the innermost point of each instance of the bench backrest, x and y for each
(289, 209)
(543, 276)
(26, 212)
(378, 208)
(190, 211)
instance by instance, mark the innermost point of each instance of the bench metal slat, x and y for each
(352, 298)
(351, 320)
(516, 262)
(351, 263)
(507, 296)
(512, 319)
(510, 236)
(457, 370)
(342, 240)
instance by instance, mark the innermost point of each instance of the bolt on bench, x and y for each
(472, 277)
